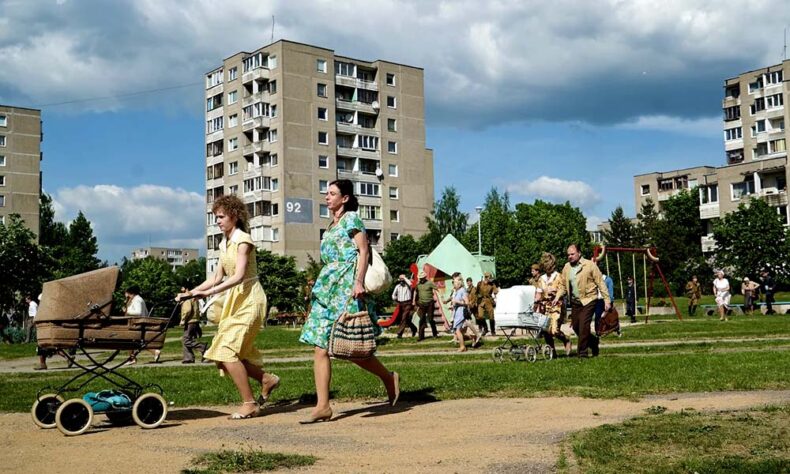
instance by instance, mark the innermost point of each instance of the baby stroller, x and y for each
(514, 310)
(75, 314)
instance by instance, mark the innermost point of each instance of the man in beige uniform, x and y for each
(582, 281)
(486, 289)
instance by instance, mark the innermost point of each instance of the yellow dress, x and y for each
(243, 310)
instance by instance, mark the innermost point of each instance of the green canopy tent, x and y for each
(449, 257)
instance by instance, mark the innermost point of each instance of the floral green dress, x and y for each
(335, 282)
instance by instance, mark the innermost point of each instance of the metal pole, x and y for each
(479, 231)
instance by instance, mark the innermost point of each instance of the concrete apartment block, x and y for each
(285, 120)
(174, 256)
(20, 164)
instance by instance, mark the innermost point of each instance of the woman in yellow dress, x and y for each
(233, 348)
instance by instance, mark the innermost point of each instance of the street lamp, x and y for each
(479, 209)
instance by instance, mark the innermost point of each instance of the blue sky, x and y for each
(551, 100)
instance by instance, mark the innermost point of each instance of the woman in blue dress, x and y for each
(338, 288)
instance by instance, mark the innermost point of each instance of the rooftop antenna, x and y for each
(273, 32)
(784, 53)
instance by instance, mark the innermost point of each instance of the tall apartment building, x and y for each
(285, 120)
(20, 164)
(175, 257)
(755, 147)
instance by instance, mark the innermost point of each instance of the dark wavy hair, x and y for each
(235, 208)
(346, 188)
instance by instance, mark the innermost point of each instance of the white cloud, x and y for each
(593, 221)
(558, 190)
(125, 218)
(703, 127)
(600, 62)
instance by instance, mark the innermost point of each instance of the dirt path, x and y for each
(474, 435)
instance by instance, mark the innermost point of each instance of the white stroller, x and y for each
(514, 310)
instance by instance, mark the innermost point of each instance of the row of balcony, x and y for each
(357, 83)
(772, 198)
(257, 74)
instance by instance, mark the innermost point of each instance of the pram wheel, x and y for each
(548, 352)
(532, 354)
(74, 417)
(516, 353)
(498, 354)
(150, 410)
(44, 409)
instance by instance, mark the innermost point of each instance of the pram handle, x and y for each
(185, 298)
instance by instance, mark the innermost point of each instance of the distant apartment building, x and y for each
(20, 164)
(285, 120)
(175, 257)
(755, 150)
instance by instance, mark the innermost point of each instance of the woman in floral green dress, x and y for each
(339, 287)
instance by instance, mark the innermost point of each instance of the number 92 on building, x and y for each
(298, 211)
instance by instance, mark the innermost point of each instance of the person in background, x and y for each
(693, 293)
(767, 286)
(190, 319)
(459, 304)
(600, 303)
(486, 293)
(630, 300)
(534, 279)
(402, 296)
(721, 289)
(32, 310)
(549, 283)
(749, 291)
(135, 306)
(582, 281)
(423, 299)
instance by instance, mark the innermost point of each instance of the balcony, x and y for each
(354, 82)
(252, 99)
(774, 198)
(260, 122)
(257, 147)
(214, 90)
(252, 172)
(358, 153)
(708, 243)
(353, 128)
(709, 211)
(256, 74)
(372, 108)
(358, 176)
(665, 195)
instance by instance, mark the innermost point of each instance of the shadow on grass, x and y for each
(194, 414)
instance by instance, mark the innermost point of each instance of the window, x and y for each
(233, 144)
(370, 212)
(732, 92)
(233, 167)
(254, 61)
(233, 96)
(758, 105)
(732, 113)
(394, 216)
(391, 102)
(734, 156)
(234, 190)
(323, 210)
(368, 189)
(275, 235)
(320, 65)
(2, 140)
(2, 160)
(323, 113)
(758, 127)
(233, 73)
(214, 148)
(269, 160)
(777, 146)
(275, 184)
(368, 143)
(345, 69)
(213, 79)
(390, 79)
(233, 121)
(2, 180)
(271, 86)
(645, 189)
(214, 125)
(322, 186)
(753, 86)
(773, 77)
(321, 90)
(708, 194)
(2, 200)
(393, 192)
(272, 135)
(323, 138)
(392, 147)
(743, 188)
(366, 96)
(252, 184)
(273, 111)
(272, 62)
(3, 121)
(323, 161)
(367, 121)
(774, 101)
(393, 170)
(392, 125)
(394, 236)
(733, 133)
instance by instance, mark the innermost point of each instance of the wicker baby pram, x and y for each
(75, 314)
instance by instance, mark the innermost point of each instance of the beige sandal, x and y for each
(252, 414)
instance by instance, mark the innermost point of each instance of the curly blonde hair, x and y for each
(548, 263)
(235, 208)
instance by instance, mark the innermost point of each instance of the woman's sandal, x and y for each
(240, 416)
(262, 398)
(396, 385)
(315, 418)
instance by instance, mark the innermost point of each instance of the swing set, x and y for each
(648, 254)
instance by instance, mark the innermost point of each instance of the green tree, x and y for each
(79, 256)
(677, 238)
(192, 274)
(548, 227)
(20, 263)
(401, 253)
(645, 231)
(446, 218)
(499, 235)
(621, 230)
(156, 280)
(751, 238)
(281, 281)
(312, 269)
